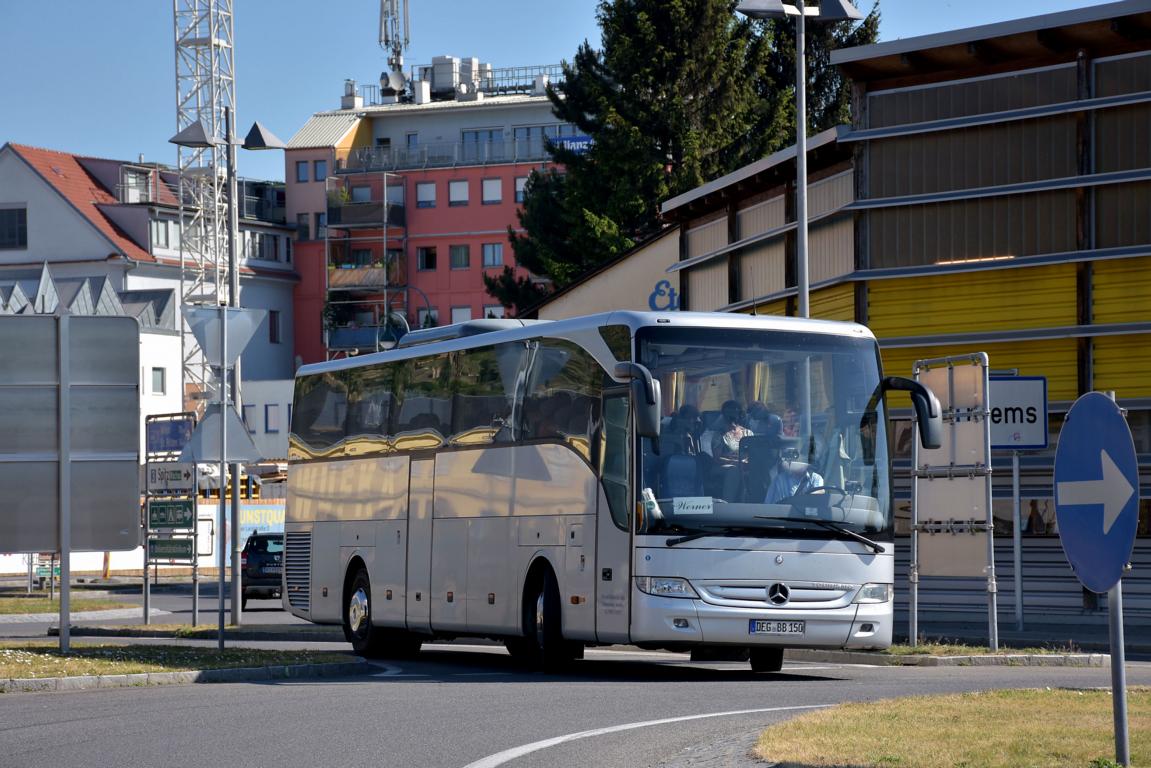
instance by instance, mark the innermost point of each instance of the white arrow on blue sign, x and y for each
(1096, 491)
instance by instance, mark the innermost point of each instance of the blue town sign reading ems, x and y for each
(1096, 491)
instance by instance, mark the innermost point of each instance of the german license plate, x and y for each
(270, 569)
(775, 627)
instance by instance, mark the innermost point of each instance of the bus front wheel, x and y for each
(543, 644)
(766, 659)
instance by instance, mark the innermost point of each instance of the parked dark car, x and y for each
(262, 564)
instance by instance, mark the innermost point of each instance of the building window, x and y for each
(395, 193)
(302, 230)
(301, 170)
(160, 234)
(521, 188)
(460, 256)
(493, 255)
(461, 314)
(361, 194)
(13, 227)
(362, 257)
(246, 417)
(427, 318)
(426, 258)
(159, 381)
(274, 336)
(493, 191)
(271, 418)
(320, 169)
(458, 192)
(426, 194)
(413, 140)
(287, 250)
(493, 311)
(321, 226)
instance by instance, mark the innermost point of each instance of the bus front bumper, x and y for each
(684, 621)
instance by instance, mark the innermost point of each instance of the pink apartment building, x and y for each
(444, 169)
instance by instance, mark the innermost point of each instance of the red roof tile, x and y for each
(64, 173)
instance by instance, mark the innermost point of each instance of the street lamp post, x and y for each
(195, 136)
(827, 10)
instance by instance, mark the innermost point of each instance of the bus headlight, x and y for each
(873, 593)
(665, 586)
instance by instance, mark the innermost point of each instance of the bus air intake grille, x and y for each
(298, 569)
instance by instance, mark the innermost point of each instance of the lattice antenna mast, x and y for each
(205, 85)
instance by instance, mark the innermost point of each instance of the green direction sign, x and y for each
(171, 549)
(171, 513)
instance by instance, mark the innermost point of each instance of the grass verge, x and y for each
(13, 605)
(26, 660)
(992, 729)
(957, 649)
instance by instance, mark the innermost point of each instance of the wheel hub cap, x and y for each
(358, 610)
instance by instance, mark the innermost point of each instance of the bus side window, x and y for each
(615, 463)
(321, 410)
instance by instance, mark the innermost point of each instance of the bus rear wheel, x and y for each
(543, 644)
(766, 659)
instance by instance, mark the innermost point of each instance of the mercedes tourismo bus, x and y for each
(717, 483)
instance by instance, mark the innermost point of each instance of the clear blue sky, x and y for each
(97, 77)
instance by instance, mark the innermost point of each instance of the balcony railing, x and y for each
(446, 155)
(371, 214)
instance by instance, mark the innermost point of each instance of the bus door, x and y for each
(613, 538)
(419, 575)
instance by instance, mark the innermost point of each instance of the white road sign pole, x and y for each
(64, 422)
(1118, 673)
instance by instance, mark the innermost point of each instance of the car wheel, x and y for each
(366, 639)
(766, 659)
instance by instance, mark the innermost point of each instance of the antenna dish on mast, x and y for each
(394, 39)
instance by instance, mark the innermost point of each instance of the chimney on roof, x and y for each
(350, 99)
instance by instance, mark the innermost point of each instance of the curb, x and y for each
(229, 675)
(988, 660)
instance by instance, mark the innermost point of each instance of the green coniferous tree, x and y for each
(682, 92)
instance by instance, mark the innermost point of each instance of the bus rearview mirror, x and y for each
(645, 398)
(928, 413)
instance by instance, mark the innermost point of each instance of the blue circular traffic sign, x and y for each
(1096, 491)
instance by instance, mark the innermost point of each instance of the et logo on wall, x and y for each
(663, 298)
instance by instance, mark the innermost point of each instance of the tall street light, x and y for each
(195, 136)
(827, 10)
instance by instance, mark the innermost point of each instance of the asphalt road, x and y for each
(458, 705)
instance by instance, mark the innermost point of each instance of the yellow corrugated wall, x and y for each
(1123, 364)
(1121, 291)
(995, 300)
(836, 302)
(1054, 358)
(777, 307)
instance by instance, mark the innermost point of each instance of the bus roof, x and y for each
(478, 333)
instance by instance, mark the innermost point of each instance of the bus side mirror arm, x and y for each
(928, 413)
(645, 397)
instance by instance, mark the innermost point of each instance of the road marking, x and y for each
(500, 758)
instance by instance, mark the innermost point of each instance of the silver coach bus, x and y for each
(713, 483)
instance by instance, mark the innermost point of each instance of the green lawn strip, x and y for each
(955, 649)
(14, 605)
(40, 659)
(992, 729)
(208, 631)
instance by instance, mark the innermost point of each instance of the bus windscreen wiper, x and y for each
(874, 546)
(718, 530)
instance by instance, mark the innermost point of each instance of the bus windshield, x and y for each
(765, 433)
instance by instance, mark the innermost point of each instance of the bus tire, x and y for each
(365, 639)
(766, 659)
(543, 644)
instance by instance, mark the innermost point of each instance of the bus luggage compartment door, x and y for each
(419, 576)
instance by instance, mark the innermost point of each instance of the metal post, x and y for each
(913, 568)
(65, 479)
(146, 586)
(221, 517)
(31, 557)
(233, 301)
(195, 560)
(1017, 540)
(801, 165)
(1118, 673)
(992, 588)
